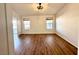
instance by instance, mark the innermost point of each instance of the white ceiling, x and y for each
(27, 9)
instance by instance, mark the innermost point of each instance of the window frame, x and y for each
(25, 26)
(49, 23)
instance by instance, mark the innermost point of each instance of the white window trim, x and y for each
(49, 28)
(29, 25)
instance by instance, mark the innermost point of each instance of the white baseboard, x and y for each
(39, 33)
(54, 33)
(65, 39)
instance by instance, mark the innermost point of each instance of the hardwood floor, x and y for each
(43, 44)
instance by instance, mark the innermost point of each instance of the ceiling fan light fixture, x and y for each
(40, 6)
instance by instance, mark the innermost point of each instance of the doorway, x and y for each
(15, 32)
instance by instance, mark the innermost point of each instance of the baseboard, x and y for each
(66, 39)
(38, 33)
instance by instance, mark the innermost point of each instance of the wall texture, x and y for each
(3, 32)
(38, 25)
(67, 23)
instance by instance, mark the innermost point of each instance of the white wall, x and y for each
(67, 23)
(3, 32)
(38, 25)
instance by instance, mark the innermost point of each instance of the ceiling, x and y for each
(24, 9)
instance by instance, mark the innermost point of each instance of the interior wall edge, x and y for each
(6, 27)
(3, 31)
(9, 29)
(61, 8)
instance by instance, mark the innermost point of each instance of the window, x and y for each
(27, 25)
(49, 24)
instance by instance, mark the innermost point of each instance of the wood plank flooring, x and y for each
(43, 44)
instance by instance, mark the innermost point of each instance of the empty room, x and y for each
(39, 28)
